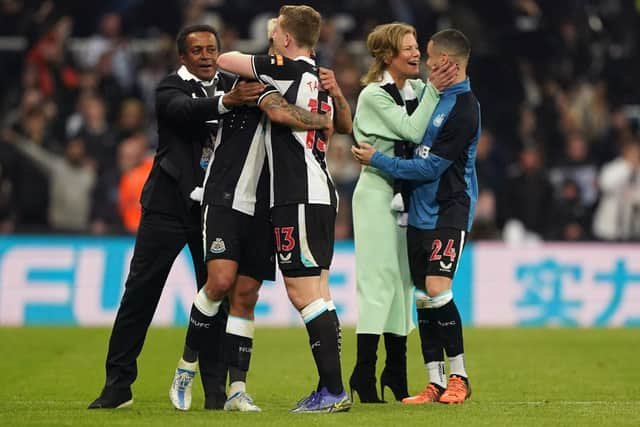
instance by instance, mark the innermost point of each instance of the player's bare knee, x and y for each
(218, 286)
(243, 303)
(436, 285)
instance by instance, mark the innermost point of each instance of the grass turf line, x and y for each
(585, 377)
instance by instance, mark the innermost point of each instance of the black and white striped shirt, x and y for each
(237, 175)
(297, 160)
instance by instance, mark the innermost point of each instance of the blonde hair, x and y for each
(271, 25)
(383, 43)
(303, 22)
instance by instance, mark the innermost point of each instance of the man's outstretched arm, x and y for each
(237, 63)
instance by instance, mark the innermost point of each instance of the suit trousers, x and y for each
(160, 239)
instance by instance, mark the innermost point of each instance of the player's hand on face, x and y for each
(243, 93)
(363, 152)
(329, 82)
(444, 75)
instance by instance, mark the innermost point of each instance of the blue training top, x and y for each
(443, 170)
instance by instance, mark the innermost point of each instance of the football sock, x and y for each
(332, 309)
(236, 387)
(430, 340)
(436, 373)
(203, 311)
(323, 339)
(450, 325)
(456, 366)
(189, 355)
(238, 347)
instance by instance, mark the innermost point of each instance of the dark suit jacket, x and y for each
(182, 109)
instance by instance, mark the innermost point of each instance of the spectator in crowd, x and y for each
(135, 164)
(71, 181)
(30, 183)
(550, 69)
(571, 217)
(578, 168)
(528, 196)
(617, 217)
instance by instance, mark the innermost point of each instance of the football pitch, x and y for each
(528, 377)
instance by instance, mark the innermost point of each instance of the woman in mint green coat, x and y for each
(388, 112)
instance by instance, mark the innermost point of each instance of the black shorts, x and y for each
(304, 238)
(434, 252)
(248, 240)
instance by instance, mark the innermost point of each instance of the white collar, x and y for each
(305, 59)
(386, 79)
(186, 75)
(407, 91)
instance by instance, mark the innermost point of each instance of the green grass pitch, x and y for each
(529, 377)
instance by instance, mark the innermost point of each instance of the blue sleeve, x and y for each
(418, 169)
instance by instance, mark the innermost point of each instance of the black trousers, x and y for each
(159, 240)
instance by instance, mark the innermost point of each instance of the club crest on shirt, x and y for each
(217, 246)
(437, 121)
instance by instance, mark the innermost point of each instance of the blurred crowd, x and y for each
(559, 156)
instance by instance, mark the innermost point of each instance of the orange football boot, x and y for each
(458, 390)
(431, 394)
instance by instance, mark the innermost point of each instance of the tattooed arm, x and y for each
(280, 111)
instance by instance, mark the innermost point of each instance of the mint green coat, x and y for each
(384, 288)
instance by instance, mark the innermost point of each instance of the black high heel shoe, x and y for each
(364, 386)
(394, 374)
(396, 381)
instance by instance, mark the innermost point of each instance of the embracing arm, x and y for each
(458, 132)
(280, 111)
(175, 105)
(418, 169)
(342, 111)
(237, 63)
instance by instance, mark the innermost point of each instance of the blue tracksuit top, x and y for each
(443, 170)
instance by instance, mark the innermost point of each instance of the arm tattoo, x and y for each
(303, 117)
(340, 103)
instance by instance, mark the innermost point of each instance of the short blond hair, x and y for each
(271, 25)
(303, 22)
(383, 43)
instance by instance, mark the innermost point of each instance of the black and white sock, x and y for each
(203, 311)
(238, 348)
(323, 339)
(450, 325)
(432, 346)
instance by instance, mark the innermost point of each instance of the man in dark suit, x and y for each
(188, 105)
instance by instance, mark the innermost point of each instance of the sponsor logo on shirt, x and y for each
(437, 121)
(445, 266)
(284, 259)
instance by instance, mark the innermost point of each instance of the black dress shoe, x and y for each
(215, 400)
(113, 399)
